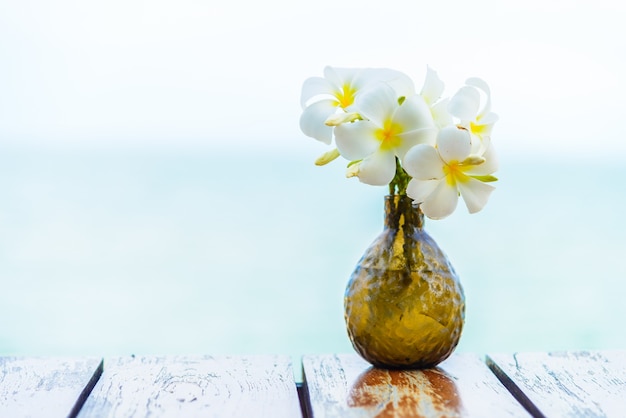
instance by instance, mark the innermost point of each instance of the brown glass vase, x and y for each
(404, 304)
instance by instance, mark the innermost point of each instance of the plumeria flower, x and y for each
(431, 92)
(443, 172)
(479, 121)
(389, 126)
(336, 92)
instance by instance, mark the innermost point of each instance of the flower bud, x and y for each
(327, 157)
(339, 118)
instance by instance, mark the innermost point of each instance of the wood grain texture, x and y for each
(200, 386)
(45, 387)
(573, 384)
(461, 386)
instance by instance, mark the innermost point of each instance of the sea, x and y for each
(145, 250)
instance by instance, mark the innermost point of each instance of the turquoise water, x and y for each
(119, 251)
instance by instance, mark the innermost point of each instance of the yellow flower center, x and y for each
(388, 135)
(454, 172)
(346, 96)
(478, 130)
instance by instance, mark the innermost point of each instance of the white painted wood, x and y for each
(568, 384)
(461, 386)
(45, 387)
(200, 386)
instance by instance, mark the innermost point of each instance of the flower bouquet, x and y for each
(404, 304)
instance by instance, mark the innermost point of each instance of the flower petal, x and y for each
(419, 190)
(400, 82)
(454, 144)
(422, 162)
(313, 118)
(356, 140)
(475, 193)
(427, 136)
(465, 103)
(480, 143)
(440, 113)
(490, 165)
(481, 85)
(315, 86)
(478, 83)
(341, 76)
(433, 87)
(488, 119)
(441, 202)
(377, 103)
(378, 169)
(413, 114)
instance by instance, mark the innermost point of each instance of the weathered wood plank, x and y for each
(574, 384)
(461, 386)
(225, 386)
(45, 387)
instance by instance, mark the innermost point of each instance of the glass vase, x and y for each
(404, 304)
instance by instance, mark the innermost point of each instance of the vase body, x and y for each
(404, 304)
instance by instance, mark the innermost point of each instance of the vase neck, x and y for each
(400, 213)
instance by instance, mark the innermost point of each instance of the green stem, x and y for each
(400, 181)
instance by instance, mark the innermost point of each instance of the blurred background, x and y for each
(157, 196)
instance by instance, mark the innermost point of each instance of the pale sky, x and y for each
(201, 73)
(192, 72)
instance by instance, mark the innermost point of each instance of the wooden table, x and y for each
(571, 384)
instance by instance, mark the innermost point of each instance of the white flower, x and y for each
(431, 92)
(337, 91)
(377, 119)
(443, 172)
(390, 126)
(479, 121)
